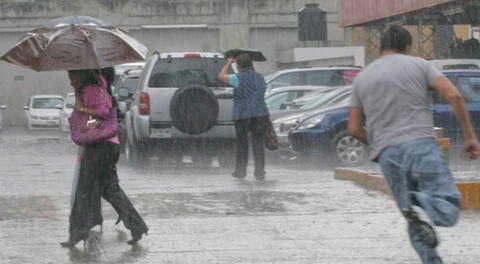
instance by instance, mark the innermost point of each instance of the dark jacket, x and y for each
(249, 96)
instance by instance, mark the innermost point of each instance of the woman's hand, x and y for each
(78, 105)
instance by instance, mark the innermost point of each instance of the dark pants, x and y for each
(98, 178)
(257, 127)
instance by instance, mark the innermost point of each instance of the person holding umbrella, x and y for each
(82, 46)
(98, 164)
(249, 112)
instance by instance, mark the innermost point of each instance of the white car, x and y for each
(43, 111)
(2, 107)
(67, 112)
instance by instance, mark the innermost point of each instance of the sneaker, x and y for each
(423, 228)
(238, 175)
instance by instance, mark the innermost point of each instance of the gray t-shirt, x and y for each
(393, 94)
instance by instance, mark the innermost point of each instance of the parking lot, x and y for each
(202, 215)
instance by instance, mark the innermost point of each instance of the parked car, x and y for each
(316, 103)
(317, 76)
(181, 107)
(122, 68)
(287, 122)
(326, 132)
(456, 64)
(468, 82)
(43, 111)
(123, 90)
(67, 112)
(279, 99)
(2, 108)
(310, 97)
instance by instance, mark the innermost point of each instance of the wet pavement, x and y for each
(202, 215)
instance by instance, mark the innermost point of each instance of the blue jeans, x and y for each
(417, 174)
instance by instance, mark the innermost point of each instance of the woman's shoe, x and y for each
(136, 236)
(73, 242)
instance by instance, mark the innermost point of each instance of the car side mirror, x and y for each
(26, 108)
(283, 106)
(123, 92)
(59, 106)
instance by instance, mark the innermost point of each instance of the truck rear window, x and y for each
(178, 72)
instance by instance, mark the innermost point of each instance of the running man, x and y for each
(391, 111)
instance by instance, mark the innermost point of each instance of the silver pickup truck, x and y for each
(181, 108)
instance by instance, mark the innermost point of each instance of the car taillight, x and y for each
(144, 106)
(192, 55)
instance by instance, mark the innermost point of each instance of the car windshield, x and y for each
(275, 101)
(70, 101)
(323, 99)
(130, 83)
(40, 103)
(469, 86)
(178, 72)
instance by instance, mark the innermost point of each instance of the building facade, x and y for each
(165, 25)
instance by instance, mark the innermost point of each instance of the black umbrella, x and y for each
(255, 55)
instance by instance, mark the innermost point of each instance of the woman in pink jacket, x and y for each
(98, 173)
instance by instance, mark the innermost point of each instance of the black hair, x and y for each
(244, 61)
(396, 38)
(109, 75)
(87, 76)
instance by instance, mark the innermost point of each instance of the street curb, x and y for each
(374, 180)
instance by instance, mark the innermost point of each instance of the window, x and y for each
(130, 83)
(469, 86)
(286, 79)
(323, 99)
(324, 78)
(279, 101)
(41, 103)
(70, 101)
(178, 72)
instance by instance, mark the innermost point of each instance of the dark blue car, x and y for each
(325, 133)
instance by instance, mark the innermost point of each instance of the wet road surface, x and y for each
(202, 215)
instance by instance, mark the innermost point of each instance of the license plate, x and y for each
(161, 132)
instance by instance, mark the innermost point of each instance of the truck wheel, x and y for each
(348, 151)
(194, 109)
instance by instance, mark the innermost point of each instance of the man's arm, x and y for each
(356, 122)
(224, 72)
(449, 92)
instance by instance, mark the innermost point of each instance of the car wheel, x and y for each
(194, 109)
(348, 151)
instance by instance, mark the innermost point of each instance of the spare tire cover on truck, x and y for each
(194, 109)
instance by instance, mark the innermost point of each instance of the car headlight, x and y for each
(33, 117)
(286, 126)
(311, 122)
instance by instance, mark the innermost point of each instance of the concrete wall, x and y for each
(268, 25)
